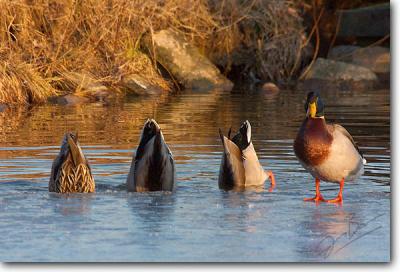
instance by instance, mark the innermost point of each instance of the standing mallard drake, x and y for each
(240, 167)
(70, 172)
(327, 151)
(153, 167)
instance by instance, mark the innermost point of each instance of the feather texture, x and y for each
(66, 176)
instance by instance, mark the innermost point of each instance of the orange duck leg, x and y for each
(339, 198)
(318, 196)
(272, 178)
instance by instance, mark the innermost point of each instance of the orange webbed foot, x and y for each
(316, 198)
(338, 199)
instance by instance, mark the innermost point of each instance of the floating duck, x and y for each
(240, 167)
(327, 151)
(70, 172)
(153, 168)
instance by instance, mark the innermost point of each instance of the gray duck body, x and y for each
(153, 167)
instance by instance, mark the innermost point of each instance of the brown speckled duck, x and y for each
(153, 168)
(327, 151)
(240, 167)
(70, 172)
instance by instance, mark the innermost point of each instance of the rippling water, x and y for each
(199, 222)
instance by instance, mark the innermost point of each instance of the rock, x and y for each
(342, 53)
(372, 21)
(106, 96)
(186, 63)
(269, 87)
(83, 82)
(3, 107)
(71, 99)
(376, 58)
(87, 87)
(138, 85)
(330, 74)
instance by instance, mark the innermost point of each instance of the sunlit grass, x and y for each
(44, 40)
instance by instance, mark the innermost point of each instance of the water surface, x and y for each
(199, 222)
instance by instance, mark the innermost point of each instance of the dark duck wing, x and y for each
(231, 172)
(153, 168)
(71, 171)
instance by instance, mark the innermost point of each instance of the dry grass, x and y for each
(103, 38)
(21, 83)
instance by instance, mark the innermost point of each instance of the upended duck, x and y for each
(240, 167)
(326, 151)
(70, 172)
(153, 168)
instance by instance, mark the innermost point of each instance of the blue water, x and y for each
(198, 222)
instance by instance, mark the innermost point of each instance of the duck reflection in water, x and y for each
(242, 209)
(154, 210)
(72, 204)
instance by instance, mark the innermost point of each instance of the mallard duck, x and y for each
(70, 172)
(153, 168)
(240, 167)
(327, 151)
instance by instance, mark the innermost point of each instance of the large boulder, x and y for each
(343, 52)
(184, 62)
(331, 74)
(376, 58)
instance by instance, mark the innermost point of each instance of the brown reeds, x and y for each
(264, 37)
(46, 39)
(21, 83)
